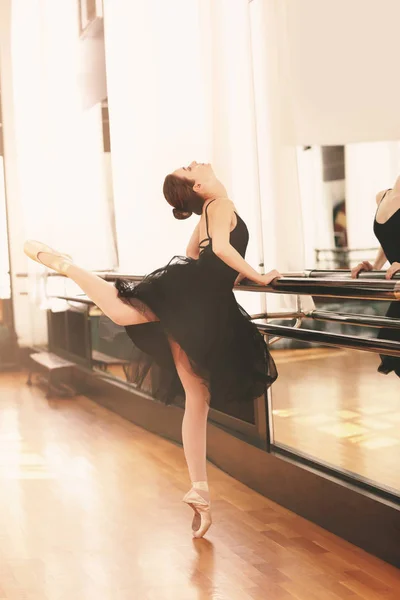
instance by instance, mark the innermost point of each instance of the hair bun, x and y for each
(181, 214)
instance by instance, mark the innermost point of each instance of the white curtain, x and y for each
(157, 121)
(59, 147)
(186, 91)
(226, 44)
(59, 144)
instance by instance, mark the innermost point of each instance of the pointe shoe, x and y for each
(202, 513)
(33, 248)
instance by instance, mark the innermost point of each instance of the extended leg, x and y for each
(103, 294)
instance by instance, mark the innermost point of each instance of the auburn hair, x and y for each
(179, 193)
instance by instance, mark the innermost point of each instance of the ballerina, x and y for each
(186, 318)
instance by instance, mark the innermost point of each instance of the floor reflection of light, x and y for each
(394, 417)
(374, 423)
(376, 410)
(315, 419)
(17, 462)
(285, 413)
(343, 430)
(380, 442)
(347, 414)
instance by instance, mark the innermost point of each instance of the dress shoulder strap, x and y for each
(388, 190)
(206, 213)
(380, 202)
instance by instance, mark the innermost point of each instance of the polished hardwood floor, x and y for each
(333, 405)
(90, 510)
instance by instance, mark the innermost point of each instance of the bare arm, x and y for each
(379, 260)
(192, 250)
(220, 217)
(380, 257)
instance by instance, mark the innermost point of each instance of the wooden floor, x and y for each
(333, 405)
(90, 510)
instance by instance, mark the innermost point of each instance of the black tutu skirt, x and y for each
(196, 308)
(390, 363)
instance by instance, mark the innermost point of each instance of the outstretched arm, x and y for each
(220, 218)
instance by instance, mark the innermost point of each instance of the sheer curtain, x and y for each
(281, 209)
(58, 145)
(157, 121)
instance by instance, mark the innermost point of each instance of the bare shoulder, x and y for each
(224, 205)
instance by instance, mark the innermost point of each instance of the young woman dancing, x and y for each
(387, 231)
(185, 316)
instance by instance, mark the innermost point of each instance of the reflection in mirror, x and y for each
(338, 188)
(332, 405)
(322, 190)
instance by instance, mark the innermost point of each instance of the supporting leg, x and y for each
(194, 425)
(194, 430)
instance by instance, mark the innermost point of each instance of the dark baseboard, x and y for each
(356, 515)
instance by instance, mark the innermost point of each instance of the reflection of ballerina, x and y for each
(390, 363)
(387, 230)
(185, 317)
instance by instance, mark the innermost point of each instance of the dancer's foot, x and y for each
(198, 498)
(48, 257)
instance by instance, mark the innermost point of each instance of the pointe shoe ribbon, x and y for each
(61, 262)
(202, 518)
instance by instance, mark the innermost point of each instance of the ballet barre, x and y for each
(338, 284)
(338, 340)
(274, 332)
(324, 284)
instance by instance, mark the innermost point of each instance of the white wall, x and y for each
(343, 70)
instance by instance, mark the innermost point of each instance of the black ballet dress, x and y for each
(196, 307)
(388, 235)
